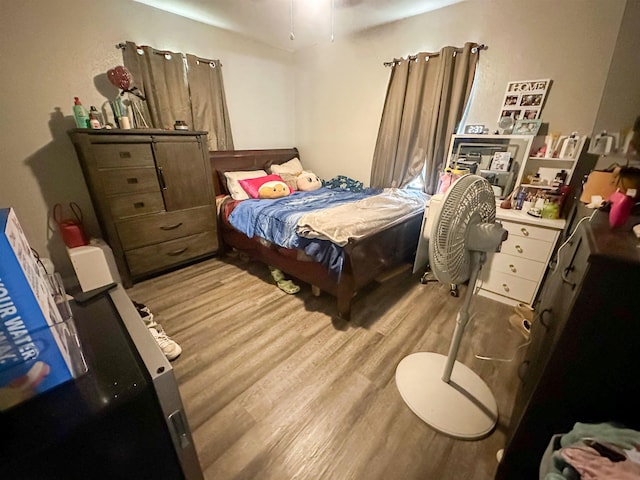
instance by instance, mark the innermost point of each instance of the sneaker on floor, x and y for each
(149, 322)
(141, 307)
(521, 324)
(170, 348)
(147, 316)
(525, 311)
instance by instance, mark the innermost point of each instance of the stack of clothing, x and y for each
(169, 347)
(345, 183)
(593, 452)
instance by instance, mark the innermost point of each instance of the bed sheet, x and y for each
(275, 221)
(278, 221)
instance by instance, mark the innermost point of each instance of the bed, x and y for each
(364, 259)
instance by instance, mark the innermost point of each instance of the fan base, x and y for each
(463, 408)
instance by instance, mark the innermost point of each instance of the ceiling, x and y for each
(271, 22)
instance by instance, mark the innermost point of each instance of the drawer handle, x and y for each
(565, 279)
(177, 252)
(524, 231)
(542, 317)
(506, 287)
(132, 180)
(519, 249)
(163, 184)
(138, 205)
(171, 227)
(125, 154)
(513, 268)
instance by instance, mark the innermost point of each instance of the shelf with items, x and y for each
(539, 187)
(494, 172)
(546, 169)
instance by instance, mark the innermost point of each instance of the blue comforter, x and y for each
(276, 220)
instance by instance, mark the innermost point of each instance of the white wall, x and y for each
(54, 50)
(620, 104)
(341, 86)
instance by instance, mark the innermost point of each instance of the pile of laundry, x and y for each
(593, 451)
(169, 347)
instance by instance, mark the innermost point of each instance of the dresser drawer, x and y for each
(530, 231)
(123, 206)
(123, 155)
(165, 226)
(155, 257)
(510, 286)
(530, 248)
(129, 180)
(517, 266)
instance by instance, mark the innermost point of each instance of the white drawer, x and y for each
(530, 248)
(530, 231)
(517, 266)
(508, 285)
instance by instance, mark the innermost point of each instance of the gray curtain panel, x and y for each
(426, 98)
(208, 102)
(161, 75)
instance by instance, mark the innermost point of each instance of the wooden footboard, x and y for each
(365, 258)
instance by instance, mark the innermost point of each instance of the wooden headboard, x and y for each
(234, 160)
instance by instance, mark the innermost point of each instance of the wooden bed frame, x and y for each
(365, 259)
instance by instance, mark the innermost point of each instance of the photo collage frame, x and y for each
(523, 100)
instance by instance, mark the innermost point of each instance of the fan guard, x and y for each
(469, 200)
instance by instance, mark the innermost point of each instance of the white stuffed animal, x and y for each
(308, 181)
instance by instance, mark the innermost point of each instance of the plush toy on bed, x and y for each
(308, 181)
(273, 189)
(265, 186)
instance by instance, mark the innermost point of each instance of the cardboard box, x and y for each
(38, 346)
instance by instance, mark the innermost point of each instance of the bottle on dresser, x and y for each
(80, 114)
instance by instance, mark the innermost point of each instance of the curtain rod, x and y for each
(211, 63)
(122, 46)
(478, 46)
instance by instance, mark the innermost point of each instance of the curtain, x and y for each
(208, 103)
(161, 77)
(426, 98)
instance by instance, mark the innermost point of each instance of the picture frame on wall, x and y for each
(524, 99)
(572, 146)
(527, 127)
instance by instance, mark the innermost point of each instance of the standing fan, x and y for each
(443, 392)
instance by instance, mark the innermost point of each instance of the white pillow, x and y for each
(233, 182)
(293, 166)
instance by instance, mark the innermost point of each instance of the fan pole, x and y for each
(463, 315)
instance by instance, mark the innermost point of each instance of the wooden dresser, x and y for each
(153, 195)
(583, 361)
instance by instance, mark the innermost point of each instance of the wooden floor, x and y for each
(275, 387)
